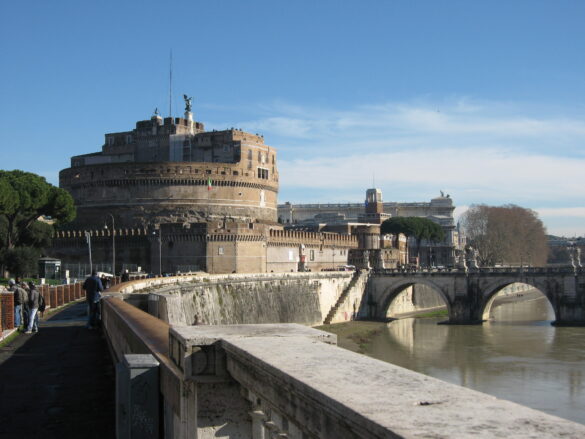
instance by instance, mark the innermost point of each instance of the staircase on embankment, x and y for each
(344, 295)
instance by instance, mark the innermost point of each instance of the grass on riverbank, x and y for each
(432, 314)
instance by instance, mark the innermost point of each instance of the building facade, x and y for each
(374, 210)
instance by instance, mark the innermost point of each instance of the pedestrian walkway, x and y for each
(58, 383)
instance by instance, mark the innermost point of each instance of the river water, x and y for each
(517, 356)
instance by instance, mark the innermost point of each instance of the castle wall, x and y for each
(215, 247)
(139, 194)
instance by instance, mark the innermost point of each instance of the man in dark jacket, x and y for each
(92, 286)
(20, 304)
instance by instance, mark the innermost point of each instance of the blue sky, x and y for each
(483, 100)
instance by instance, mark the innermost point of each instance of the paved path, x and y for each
(58, 383)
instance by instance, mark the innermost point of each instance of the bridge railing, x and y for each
(287, 380)
(481, 270)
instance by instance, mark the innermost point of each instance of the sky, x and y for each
(483, 100)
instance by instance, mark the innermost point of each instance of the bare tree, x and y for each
(506, 234)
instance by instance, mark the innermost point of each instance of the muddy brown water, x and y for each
(517, 356)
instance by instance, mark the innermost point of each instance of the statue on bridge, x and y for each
(472, 257)
(461, 263)
(575, 255)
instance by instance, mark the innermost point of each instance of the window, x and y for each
(312, 255)
(220, 251)
(263, 173)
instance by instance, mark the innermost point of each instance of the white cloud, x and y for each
(479, 152)
(484, 174)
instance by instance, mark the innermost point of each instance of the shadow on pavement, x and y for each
(58, 383)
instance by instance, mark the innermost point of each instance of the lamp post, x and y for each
(88, 239)
(159, 250)
(113, 243)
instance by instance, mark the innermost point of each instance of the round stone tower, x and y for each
(173, 171)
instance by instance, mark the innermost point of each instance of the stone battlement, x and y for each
(288, 237)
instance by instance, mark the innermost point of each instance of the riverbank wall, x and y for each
(304, 298)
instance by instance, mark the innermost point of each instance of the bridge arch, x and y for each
(492, 290)
(391, 292)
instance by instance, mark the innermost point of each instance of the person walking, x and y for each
(20, 303)
(33, 305)
(92, 286)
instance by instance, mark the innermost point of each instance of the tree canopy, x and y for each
(417, 227)
(24, 197)
(506, 234)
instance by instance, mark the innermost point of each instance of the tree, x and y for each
(24, 197)
(506, 234)
(21, 261)
(416, 227)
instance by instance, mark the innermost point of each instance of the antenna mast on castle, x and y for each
(171, 84)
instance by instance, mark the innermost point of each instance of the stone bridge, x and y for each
(468, 295)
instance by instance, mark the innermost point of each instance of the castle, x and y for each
(169, 196)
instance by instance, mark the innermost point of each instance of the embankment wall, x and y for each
(304, 298)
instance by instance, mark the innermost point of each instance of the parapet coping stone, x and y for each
(156, 284)
(204, 335)
(380, 396)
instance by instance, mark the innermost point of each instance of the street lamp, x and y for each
(88, 239)
(113, 243)
(159, 250)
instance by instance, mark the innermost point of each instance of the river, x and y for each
(517, 356)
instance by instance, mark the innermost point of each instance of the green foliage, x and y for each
(397, 225)
(21, 261)
(38, 235)
(23, 198)
(416, 227)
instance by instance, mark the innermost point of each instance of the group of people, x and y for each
(27, 300)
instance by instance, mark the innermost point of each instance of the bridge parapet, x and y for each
(481, 270)
(286, 380)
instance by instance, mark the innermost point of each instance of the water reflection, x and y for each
(518, 356)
